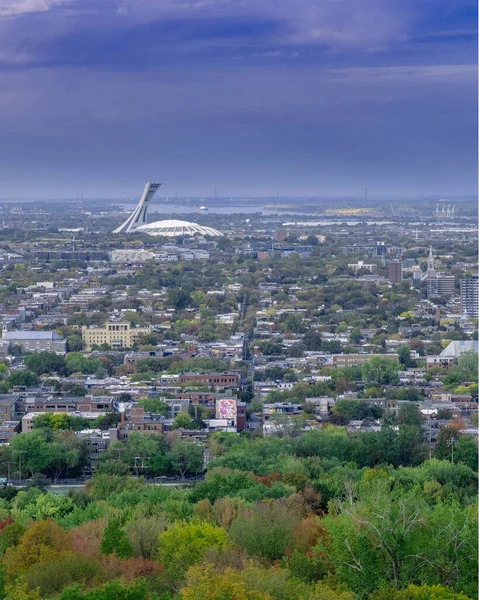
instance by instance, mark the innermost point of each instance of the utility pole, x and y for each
(20, 452)
(430, 425)
(452, 442)
(8, 463)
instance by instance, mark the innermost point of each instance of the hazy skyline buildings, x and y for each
(307, 97)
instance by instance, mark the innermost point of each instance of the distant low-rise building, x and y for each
(356, 360)
(29, 418)
(131, 256)
(8, 407)
(37, 341)
(227, 379)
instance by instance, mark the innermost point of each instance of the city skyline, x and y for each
(317, 99)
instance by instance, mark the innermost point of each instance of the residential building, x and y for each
(97, 442)
(395, 271)
(143, 421)
(59, 403)
(8, 407)
(440, 285)
(113, 334)
(9, 429)
(470, 296)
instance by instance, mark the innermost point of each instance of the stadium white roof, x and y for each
(175, 228)
(457, 347)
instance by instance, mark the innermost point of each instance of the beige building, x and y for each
(116, 335)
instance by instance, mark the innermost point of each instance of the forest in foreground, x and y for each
(274, 519)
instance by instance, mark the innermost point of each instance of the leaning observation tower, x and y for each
(138, 216)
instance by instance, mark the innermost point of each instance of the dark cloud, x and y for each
(311, 96)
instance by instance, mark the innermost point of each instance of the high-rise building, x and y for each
(138, 216)
(395, 271)
(470, 296)
(441, 285)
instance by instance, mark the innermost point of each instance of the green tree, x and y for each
(108, 421)
(447, 438)
(182, 421)
(405, 356)
(31, 451)
(368, 541)
(466, 452)
(179, 298)
(467, 367)
(65, 451)
(22, 378)
(74, 343)
(354, 409)
(312, 340)
(186, 457)
(77, 363)
(46, 362)
(115, 590)
(409, 414)
(380, 371)
(115, 539)
(154, 405)
(140, 449)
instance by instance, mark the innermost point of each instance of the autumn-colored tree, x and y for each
(203, 510)
(114, 567)
(184, 544)
(53, 576)
(143, 535)
(86, 538)
(206, 584)
(19, 591)
(266, 531)
(43, 542)
(416, 592)
(10, 535)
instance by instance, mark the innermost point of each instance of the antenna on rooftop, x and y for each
(366, 194)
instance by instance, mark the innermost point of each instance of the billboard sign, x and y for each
(226, 408)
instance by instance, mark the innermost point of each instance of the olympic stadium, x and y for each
(137, 222)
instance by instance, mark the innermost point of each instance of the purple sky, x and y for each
(308, 97)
